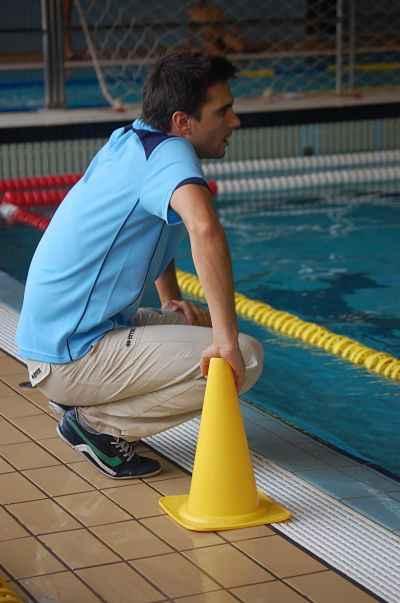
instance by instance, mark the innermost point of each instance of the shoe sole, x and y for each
(86, 452)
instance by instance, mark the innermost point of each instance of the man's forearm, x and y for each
(167, 285)
(213, 264)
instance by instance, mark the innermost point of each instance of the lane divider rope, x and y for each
(13, 214)
(299, 182)
(38, 182)
(300, 164)
(311, 333)
(35, 198)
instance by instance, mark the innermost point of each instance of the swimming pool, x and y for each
(331, 264)
(336, 267)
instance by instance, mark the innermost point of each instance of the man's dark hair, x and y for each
(179, 81)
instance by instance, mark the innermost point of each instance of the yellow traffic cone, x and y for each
(223, 494)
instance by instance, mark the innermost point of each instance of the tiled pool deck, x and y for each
(70, 535)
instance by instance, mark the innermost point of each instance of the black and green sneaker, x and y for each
(114, 457)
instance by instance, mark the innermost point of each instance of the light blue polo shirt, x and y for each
(113, 233)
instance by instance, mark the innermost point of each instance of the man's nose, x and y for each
(234, 121)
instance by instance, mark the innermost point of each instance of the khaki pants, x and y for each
(137, 382)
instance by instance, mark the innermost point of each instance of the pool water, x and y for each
(334, 266)
(17, 245)
(338, 268)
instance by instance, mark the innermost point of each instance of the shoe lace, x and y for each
(127, 449)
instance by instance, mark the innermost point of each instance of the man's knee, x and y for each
(253, 356)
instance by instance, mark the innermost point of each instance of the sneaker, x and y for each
(58, 409)
(114, 457)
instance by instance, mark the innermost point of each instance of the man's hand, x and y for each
(194, 314)
(232, 355)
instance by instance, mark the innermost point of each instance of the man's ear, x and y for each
(181, 124)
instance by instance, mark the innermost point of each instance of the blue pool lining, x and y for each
(343, 477)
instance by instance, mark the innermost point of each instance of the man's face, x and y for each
(209, 134)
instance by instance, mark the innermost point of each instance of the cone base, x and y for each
(267, 511)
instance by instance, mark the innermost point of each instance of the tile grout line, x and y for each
(327, 565)
(175, 550)
(89, 528)
(72, 570)
(84, 478)
(179, 551)
(93, 488)
(86, 528)
(276, 577)
(51, 497)
(178, 443)
(21, 586)
(69, 572)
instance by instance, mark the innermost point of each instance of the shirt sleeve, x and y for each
(172, 164)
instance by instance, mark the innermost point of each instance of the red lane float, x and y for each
(17, 184)
(12, 201)
(64, 180)
(30, 198)
(53, 197)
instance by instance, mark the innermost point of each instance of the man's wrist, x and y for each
(229, 343)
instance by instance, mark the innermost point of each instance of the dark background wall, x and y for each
(20, 20)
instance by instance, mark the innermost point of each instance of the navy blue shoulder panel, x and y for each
(194, 180)
(150, 139)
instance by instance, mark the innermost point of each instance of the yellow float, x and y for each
(313, 334)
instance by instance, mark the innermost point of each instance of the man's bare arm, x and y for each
(213, 264)
(167, 285)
